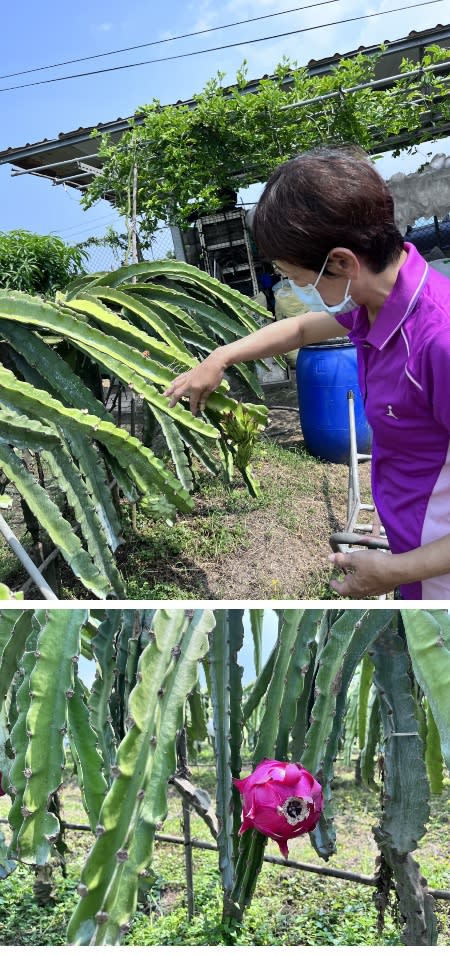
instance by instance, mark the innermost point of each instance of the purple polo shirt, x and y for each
(404, 376)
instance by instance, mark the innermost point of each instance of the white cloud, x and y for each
(394, 25)
(166, 35)
(206, 15)
(102, 27)
(322, 40)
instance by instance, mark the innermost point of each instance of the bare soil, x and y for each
(276, 548)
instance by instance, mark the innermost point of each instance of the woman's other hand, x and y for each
(197, 383)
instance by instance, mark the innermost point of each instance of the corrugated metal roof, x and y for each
(59, 159)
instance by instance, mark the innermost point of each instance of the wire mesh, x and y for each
(105, 258)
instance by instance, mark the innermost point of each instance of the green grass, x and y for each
(290, 907)
(23, 922)
(287, 910)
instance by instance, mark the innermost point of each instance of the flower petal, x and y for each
(240, 784)
(246, 824)
(283, 846)
(292, 774)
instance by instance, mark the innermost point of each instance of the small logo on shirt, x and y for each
(390, 413)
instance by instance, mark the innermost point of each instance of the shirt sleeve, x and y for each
(348, 321)
(436, 376)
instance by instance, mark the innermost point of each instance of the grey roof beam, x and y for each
(53, 165)
(32, 149)
(372, 84)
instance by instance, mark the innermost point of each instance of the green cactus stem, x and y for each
(137, 801)
(428, 637)
(19, 739)
(365, 683)
(406, 792)
(405, 787)
(136, 853)
(87, 755)
(104, 648)
(7, 865)
(219, 666)
(371, 742)
(14, 631)
(291, 642)
(256, 621)
(415, 902)
(50, 688)
(350, 636)
(433, 754)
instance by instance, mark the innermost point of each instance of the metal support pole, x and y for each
(134, 258)
(31, 569)
(188, 861)
(183, 772)
(354, 495)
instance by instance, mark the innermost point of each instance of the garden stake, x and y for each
(183, 772)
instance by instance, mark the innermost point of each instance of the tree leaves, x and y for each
(187, 155)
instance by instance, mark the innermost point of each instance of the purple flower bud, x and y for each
(2, 791)
(281, 800)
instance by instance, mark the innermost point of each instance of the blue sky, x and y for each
(34, 35)
(270, 629)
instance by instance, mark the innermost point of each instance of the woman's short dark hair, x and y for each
(322, 199)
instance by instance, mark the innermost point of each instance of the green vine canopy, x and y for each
(186, 157)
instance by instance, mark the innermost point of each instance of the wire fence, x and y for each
(105, 258)
(189, 844)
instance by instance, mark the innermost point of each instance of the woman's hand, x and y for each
(197, 383)
(371, 573)
(367, 574)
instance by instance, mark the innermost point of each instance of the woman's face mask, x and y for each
(311, 297)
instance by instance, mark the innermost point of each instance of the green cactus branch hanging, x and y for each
(141, 335)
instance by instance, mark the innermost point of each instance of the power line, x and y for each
(171, 39)
(215, 49)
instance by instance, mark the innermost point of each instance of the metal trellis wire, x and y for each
(188, 844)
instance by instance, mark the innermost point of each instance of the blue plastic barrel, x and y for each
(325, 375)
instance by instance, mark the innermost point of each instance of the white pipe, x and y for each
(25, 560)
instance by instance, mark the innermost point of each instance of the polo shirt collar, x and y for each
(400, 302)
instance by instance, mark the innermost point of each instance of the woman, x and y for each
(326, 220)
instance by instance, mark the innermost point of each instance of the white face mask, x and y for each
(311, 297)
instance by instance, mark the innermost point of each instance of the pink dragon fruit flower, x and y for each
(281, 800)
